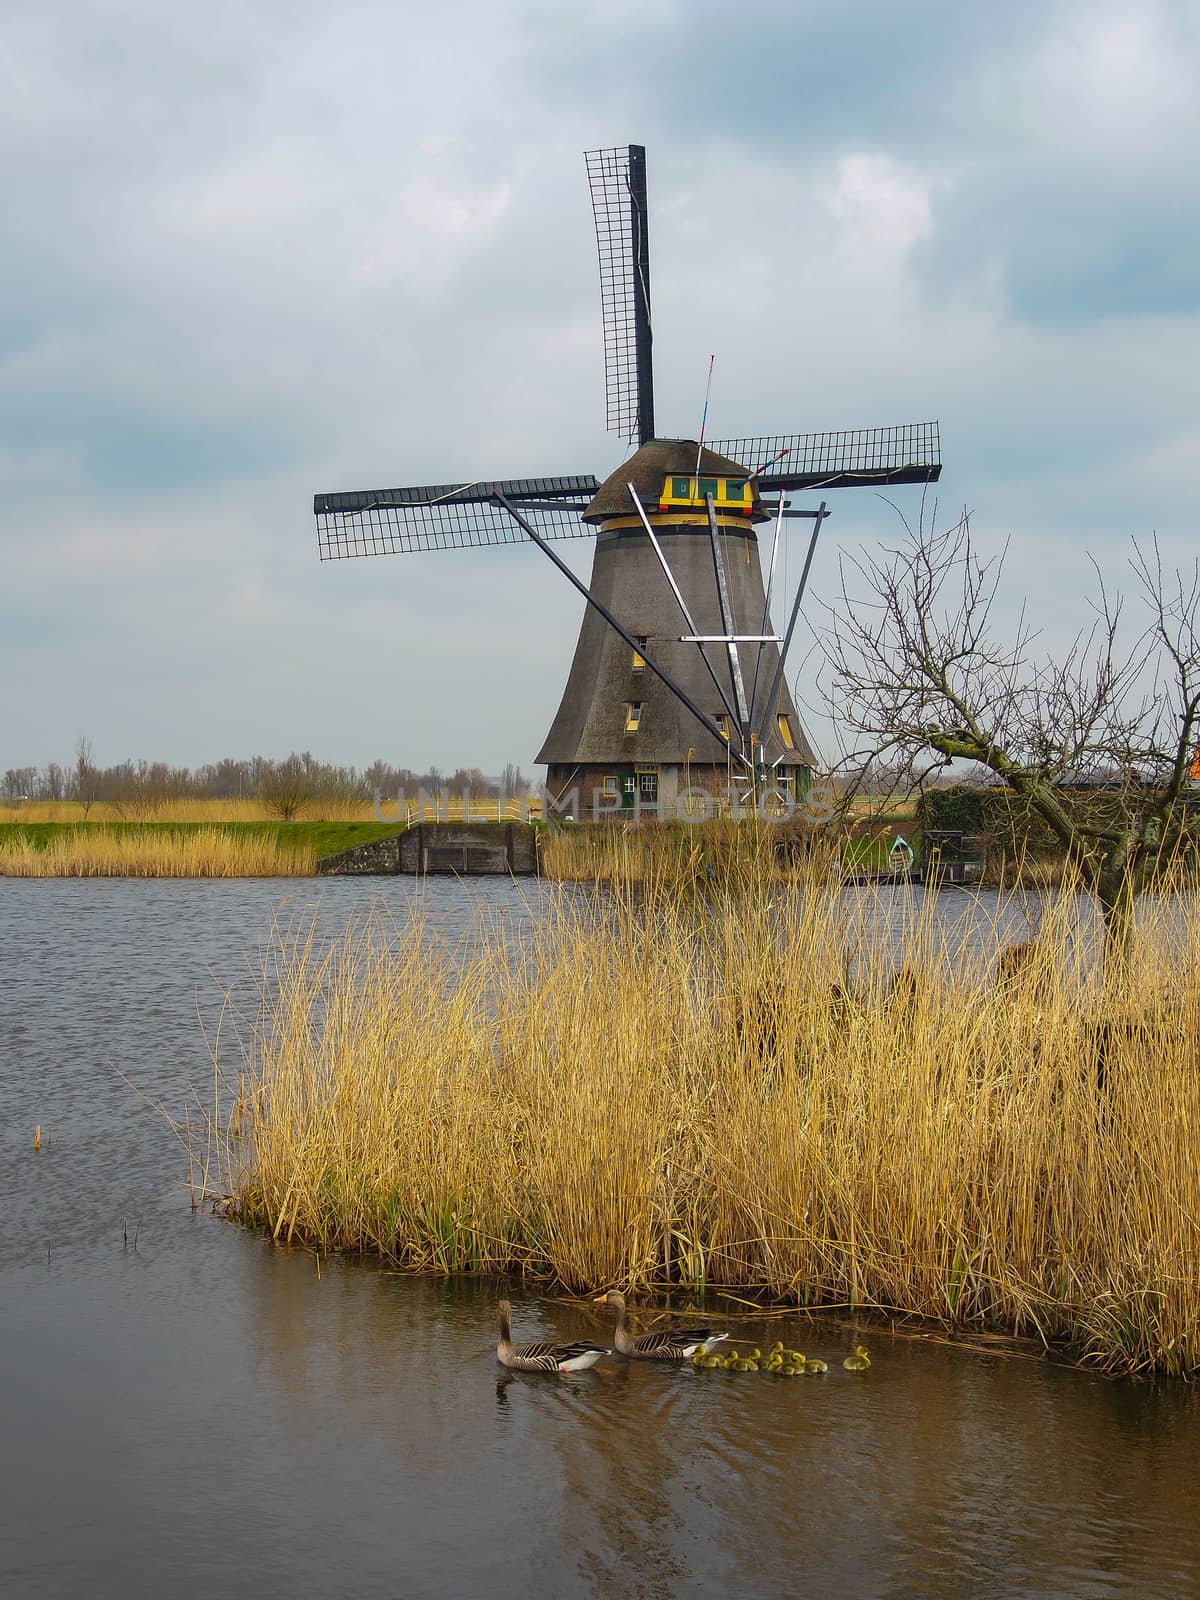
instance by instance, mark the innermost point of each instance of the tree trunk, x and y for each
(1116, 893)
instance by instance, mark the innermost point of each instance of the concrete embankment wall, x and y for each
(466, 849)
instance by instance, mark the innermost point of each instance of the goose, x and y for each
(666, 1344)
(543, 1355)
(859, 1361)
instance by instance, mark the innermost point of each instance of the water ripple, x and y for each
(207, 1413)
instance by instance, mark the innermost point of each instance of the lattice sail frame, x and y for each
(462, 516)
(448, 516)
(624, 270)
(910, 452)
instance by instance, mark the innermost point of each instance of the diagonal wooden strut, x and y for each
(773, 693)
(735, 665)
(770, 589)
(683, 605)
(661, 673)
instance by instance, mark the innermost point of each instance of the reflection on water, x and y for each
(212, 1414)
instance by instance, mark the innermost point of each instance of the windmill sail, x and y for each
(647, 717)
(853, 458)
(617, 179)
(448, 516)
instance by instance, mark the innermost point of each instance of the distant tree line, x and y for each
(285, 787)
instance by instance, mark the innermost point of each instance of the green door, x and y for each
(628, 790)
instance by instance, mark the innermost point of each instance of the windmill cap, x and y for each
(662, 458)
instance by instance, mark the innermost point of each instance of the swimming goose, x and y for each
(543, 1355)
(666, 1344)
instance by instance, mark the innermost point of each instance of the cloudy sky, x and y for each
(256, 250)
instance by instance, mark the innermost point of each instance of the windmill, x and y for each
(677, 682)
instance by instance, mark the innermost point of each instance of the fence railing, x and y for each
(453, 808)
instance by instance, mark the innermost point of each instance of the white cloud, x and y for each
(1113, 75)
(881, 213)
(273, 250)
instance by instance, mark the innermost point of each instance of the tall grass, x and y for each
(155, 810)
(662, 854)
(205, 853)
(742, 1090)
(320, 808)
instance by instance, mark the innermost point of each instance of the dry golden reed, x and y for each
(820, 1095)
(321, 808)
(205, 853)
(649, 853)
(152, 809)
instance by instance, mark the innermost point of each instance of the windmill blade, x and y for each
(617, 180)
(854, 458)
(448, 516)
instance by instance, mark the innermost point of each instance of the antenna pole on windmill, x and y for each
(643, 333)
(773, 693)
(704, 413)
(766, 616)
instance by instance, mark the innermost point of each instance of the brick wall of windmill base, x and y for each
(598, 793)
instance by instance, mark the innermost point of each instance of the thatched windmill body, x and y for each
(677, 682)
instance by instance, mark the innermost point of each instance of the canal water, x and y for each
(189, 1411)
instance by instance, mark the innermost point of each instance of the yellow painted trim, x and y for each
(676, 519)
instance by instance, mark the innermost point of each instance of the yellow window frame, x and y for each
(690, 492)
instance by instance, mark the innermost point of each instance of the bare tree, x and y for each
(1097, 743)
(513, 781)
(286, 787)
(85, 776)
(20, 782)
